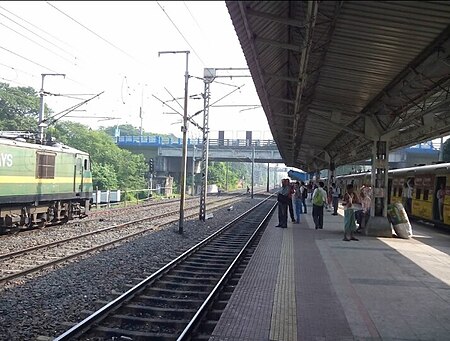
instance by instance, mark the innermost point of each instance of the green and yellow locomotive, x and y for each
(41, 184)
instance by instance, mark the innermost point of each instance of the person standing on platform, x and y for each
(290, 206)
(319, 198)
(440, 195)
(409, 192)
(349, 201)
(298, 200)
(405, 196)
(283, 203)
(304, 191)
(362, 216)
(335, 193)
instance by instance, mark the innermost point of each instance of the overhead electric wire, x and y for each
(29, 60)
(228, 94)
(35, 42)
(192, 16)
(76, 60)
(40, 29)
(94, 33)
(176, 100)
(193, 50)
(14, 81)
(16, 69)
(62, 95)
(53, 119)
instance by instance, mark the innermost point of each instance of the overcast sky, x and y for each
(113, 47)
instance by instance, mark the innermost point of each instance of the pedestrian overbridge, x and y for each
(225, 150)
(335, 77)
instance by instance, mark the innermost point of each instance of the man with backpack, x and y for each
(319, 198)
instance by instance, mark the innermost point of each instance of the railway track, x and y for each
(172, 303)
(23, 262)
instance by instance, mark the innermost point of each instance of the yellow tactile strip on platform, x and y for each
(283, 325)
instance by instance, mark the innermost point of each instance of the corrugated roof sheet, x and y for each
(333, 76)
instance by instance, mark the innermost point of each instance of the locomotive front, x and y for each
(42, 184)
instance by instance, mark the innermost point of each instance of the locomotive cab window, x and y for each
(45, 166)
(86, 164)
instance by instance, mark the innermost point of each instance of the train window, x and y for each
(85, 164)
(425, 194)
(418, 193)
(45, 164)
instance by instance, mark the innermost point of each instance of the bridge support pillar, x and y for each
(378, 224)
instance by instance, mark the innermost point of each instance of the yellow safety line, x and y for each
(283, 326)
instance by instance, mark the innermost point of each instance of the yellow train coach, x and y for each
(424, 183)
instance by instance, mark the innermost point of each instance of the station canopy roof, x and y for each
(335, 76)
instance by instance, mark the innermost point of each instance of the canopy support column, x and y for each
(378, 224)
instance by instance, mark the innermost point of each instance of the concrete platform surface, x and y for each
(307, 284)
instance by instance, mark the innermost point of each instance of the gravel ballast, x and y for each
(41, 304)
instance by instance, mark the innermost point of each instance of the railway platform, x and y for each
(308, 284)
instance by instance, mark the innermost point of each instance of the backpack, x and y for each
(305, 192)
(318, 198)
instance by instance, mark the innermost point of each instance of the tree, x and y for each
(19, 108)
(105, 177)
(107, 159)
(129, 130)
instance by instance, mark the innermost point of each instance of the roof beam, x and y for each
(283, 100)
(285, 21)
(275, 43)
(340, 126)
(283, 115)
(282, 78)
(311, 16)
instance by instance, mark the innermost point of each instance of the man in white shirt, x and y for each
(335, 193)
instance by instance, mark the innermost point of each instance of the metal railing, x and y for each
(167, 141)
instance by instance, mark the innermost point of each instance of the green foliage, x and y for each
(107, 158)
(112, 167)
(19, 108)
(125, 130)
(129, 130)
(104, 176)
(218, 174)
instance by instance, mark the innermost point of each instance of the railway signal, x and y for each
(150, 166)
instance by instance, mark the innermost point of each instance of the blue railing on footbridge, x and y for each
(156, 141)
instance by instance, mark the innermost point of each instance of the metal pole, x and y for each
(209, 75)
(140, 116)
(253, 168)
(41, 106)
(268, 177)
(184, 154)
(41, 111)
(193, 172)
(184, 130)
(226, 176)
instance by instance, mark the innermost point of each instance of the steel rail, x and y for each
(95, 248)
(86, 324)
